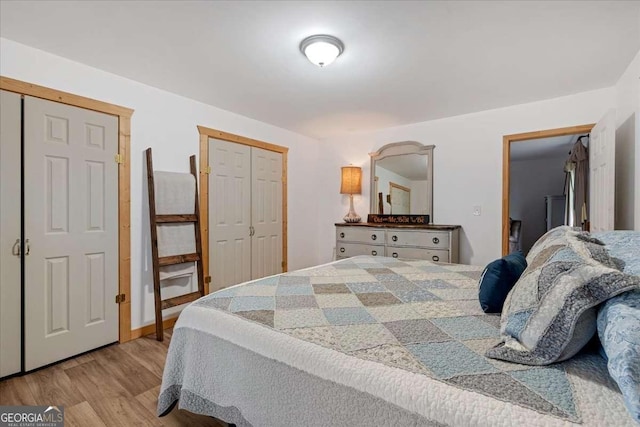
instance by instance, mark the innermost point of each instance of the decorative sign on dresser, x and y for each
(432, 242)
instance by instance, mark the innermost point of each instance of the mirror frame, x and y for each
(399, 149)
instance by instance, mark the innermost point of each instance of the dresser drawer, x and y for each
(345, 250)
(428, 239)
(360, 235)
(435, 255)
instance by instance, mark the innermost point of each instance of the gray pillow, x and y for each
(549, 315)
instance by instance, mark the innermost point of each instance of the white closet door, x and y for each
(266, 213)
(602, 163)
(10, 301)
(400, 199)
(71, 221)
(229, 213)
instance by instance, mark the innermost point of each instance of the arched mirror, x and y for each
(402, 179)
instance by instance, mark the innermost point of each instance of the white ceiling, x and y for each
(544, 148)
(404, 62)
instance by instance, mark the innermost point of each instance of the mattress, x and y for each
(370, 341)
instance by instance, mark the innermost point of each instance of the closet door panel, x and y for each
(266, 212)
(602, 164)
(10, 300)
(229, 213)
(71, 221)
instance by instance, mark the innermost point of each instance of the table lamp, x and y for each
(351, 184)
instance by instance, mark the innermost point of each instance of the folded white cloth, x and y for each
(175, 194)
(176, 239)
(179, 270)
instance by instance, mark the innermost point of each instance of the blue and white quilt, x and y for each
(370, 341)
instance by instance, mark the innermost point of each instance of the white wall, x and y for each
(530, 181)
(628, 148)
(167, 122)
(467, 165)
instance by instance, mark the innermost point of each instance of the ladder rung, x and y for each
(163, 219)
(182, 299)
(177, 259)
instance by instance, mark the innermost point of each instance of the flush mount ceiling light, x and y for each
(321, 50)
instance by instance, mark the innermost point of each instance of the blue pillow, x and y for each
(624, 245)
(498, 279)
(619, 332)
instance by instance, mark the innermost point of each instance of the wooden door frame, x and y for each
(506, 166)
(205, 134)
(124, 181)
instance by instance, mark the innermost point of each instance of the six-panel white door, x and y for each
(10, 285)
(71, 226)
(400, 199)
(266, 213)
(229, 213)
(602, 174)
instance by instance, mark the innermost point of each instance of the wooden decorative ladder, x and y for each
(163, 304)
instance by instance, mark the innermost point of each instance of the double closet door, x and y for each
(245, 213)
(58, 232)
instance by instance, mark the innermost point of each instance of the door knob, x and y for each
(342, 235)
(15, 250)
(394, 238)
(374, 237)
(374, 253)
(395, 255)
(436, 258)
(341, 250)
(435, 240)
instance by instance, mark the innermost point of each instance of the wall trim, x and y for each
(205, 134)
(151, 329)
(124, 180)
(507, 140)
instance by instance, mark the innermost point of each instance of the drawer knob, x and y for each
(435, 240)
(436, 258)
(374, 237)
(341, 250)
(342, 235)
(394, 238)
(374, 253)
(395, 255)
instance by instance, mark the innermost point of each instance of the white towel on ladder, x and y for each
(187, 269)
(175, 194)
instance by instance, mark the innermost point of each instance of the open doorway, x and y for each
(540, 184)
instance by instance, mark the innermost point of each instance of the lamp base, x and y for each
(352, 216)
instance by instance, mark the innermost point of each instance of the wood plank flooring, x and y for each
(115, 386)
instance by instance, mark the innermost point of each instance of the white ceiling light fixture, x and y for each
(321, 50)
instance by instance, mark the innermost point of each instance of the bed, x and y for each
(370, 341)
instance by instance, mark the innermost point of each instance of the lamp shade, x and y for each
(351, 180)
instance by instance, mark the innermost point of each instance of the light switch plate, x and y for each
(477, 211)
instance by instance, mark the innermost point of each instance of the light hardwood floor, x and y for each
(115, 386)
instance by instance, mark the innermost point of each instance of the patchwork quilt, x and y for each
(404, 338)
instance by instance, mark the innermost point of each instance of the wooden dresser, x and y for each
(432, 242)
